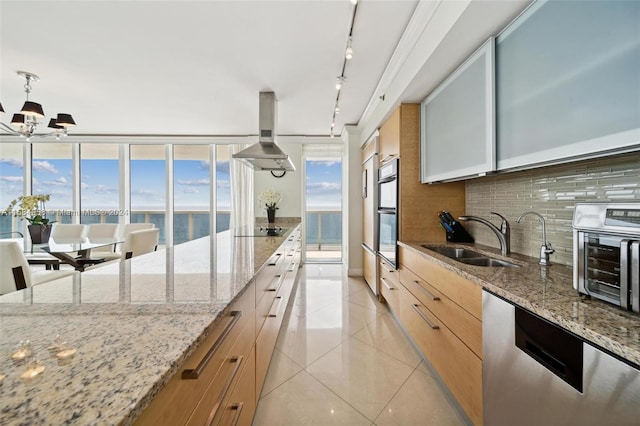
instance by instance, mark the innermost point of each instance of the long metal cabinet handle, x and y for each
(424, 317)
(237, 407)
(624, 275)
(427, 292)
(192, 374)
(635, 276)
(279, 277)
(273, 314)
(237, 360)
(385, 284)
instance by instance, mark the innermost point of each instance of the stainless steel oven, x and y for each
(606, 252)
(388, 211)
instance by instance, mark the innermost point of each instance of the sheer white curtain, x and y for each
(241, 191)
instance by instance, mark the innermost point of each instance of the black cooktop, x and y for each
(261, 231)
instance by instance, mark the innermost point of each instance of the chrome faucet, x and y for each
(545, 248)
(503, 233)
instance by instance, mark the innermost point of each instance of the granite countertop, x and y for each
(133, 324)
(548, 291)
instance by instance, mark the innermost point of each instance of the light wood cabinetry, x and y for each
(418, 204)
(220, 383)
(442, 313)
(369, 211)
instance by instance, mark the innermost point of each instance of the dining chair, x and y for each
(131, 227)
(15, 273)
(62, 232)
(102, 231)
(141, 242)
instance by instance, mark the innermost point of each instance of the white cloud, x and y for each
(324, 187)
(12, 162)
(198, 182)
(12, 178)
(61, 181)
(84, 185)
(324, 163)
(44, 166)
(223, 183)
(190, 190)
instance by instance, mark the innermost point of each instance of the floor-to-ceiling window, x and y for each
(148, 186)
(223, 188)
(323, 203)
(11, 185)
(191, 192)
(52, 174)
(99, 184)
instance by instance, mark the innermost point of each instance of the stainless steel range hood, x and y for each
(266, 155)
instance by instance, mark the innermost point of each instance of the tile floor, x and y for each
(341, 359)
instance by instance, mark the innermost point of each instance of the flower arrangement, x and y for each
(31, 208)
(270, 198)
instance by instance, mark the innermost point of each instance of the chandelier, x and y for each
(24, 123)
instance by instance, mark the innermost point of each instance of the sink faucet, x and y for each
(503, 233)
(545, 248)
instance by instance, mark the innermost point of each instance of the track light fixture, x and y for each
(339, 82)
(348, 54)
(24, 123)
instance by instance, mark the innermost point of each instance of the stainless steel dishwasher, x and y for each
(536, 373)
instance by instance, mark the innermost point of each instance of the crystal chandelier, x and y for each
(24, 123)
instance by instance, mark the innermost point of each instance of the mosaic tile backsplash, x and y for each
(552, 192)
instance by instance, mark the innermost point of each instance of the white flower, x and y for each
(270, 198)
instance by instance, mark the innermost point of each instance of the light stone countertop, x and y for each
(133, 324)
(548, 291)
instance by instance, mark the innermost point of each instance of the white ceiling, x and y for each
(196, 67)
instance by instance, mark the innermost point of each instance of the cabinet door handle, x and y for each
(237, 407)
(194, 373)
(292, 266)
(386, 285)
(279, 277)
(237, 360)
(274, 312)
(427, 292)
(424, 317)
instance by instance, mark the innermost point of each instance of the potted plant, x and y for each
(270, 198)
(32, 208)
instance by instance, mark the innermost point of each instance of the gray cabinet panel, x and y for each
(568, 82)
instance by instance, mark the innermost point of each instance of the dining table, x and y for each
(72, 251)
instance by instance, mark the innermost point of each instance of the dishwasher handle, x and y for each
(556, 349)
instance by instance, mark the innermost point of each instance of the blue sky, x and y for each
(324, 186)
(99, 183)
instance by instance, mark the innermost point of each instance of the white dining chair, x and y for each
(15, 273)
(141, 242)
(63, 232)
(131, 227)
(104, 231)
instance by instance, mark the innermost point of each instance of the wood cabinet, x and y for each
(442, 313)
(369, 211)
(220, 383)
(418, 204)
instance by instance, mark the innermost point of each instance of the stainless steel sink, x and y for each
(487, 261)
(470, 257)
(453, 252)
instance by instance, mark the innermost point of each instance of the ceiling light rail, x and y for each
(348, 55)
(25, 122)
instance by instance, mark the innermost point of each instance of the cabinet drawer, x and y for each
(464, 325)
(388, 272)
(241, 405)
(264, 303)
(211, 406)
(175, 403)
(456, 364)
(460, 290)
(369, 268)
(391, 293)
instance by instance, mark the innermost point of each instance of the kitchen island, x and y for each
(132, 323)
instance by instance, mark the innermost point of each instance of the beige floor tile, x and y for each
(281, 369)
(363, 376)
(423, 367)
(420, 402)
(302, 400)
(349, 317)
(385, 334)
(367, 299)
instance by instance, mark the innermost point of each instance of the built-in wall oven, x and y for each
(606, 252)
(388, 211)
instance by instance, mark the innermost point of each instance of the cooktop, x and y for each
(261, 231)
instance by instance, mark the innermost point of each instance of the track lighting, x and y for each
(349, 52)
(337, 109)
(354, 2)
(339, 82)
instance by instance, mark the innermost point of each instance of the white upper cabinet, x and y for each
(457, 122)
(568, 82)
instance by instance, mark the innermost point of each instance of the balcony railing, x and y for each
(324, 230)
